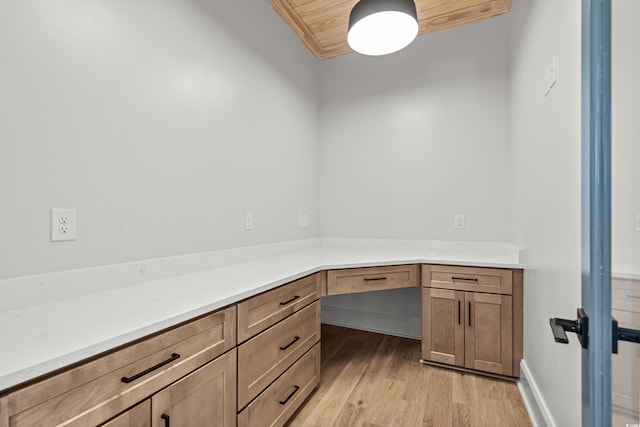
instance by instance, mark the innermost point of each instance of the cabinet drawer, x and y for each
(280, 400)
(472, 279)
(350, 280)
(95, 391)
(263, 358)
(258, 313)
(625, 295)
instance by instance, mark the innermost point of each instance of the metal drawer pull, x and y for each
(167, 422)
(373, 279)
(295, 390)
(290, 301)
(469, 313)
(465, 279)
(127, 380)
(290, 344)
(458, 312)
(633, 296)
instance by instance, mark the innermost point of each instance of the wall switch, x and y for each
(303, 220)
(638, 222)
(248, 221)
(63, 225)
(552, 75)
(458, 222)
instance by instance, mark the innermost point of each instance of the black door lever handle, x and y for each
(560, 327)
(558, 330)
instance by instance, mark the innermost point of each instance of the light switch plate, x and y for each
(552, 75)
(458, 222)
(303, 220)
(638, 222)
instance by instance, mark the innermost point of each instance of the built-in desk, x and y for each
(41, 340)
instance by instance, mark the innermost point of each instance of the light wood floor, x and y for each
(371, 380)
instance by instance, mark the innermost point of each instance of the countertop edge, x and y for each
(17, 378)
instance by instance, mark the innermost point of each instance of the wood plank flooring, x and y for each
(375, 380)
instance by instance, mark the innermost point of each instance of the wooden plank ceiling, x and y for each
(322, 24)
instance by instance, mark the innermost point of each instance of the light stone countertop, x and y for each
(41, 338)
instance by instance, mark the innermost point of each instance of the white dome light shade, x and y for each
(381, 27)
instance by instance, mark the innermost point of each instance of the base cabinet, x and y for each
(469, 329)
(98, 391)
(204, 398)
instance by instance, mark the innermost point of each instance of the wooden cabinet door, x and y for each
(138, 416)
(205, 398)
(488, 333)
(443, 326)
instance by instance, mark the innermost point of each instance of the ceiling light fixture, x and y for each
(381, 27)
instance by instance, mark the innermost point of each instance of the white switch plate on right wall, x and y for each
(638, 222)
(552, 75)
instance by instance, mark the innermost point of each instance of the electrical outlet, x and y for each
(63, 225)
(458, 222)
(248, 221)
(303, 220)
(638, 222)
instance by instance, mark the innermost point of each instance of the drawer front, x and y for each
(625, 295)
(100, 389)
(350, 280)
(472, 279)
(262, 311)
(263, 358)
(281, 399)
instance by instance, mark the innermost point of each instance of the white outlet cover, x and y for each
(64, 226)
(458, 222)
(638, 222)
(248, 221)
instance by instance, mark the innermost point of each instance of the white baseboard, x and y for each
(372, 322)
(533, 400)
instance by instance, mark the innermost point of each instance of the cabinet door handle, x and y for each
(290, 344)
(465, 279)
(127, 380)
(469, 313)
(373, 279)
(295, 390)
(290, 301)
(167, 421)
(458, 312)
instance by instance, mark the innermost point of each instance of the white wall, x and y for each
(544, 135)
(160, 122)
(625, 126)
(408, 141)
(411, 139)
